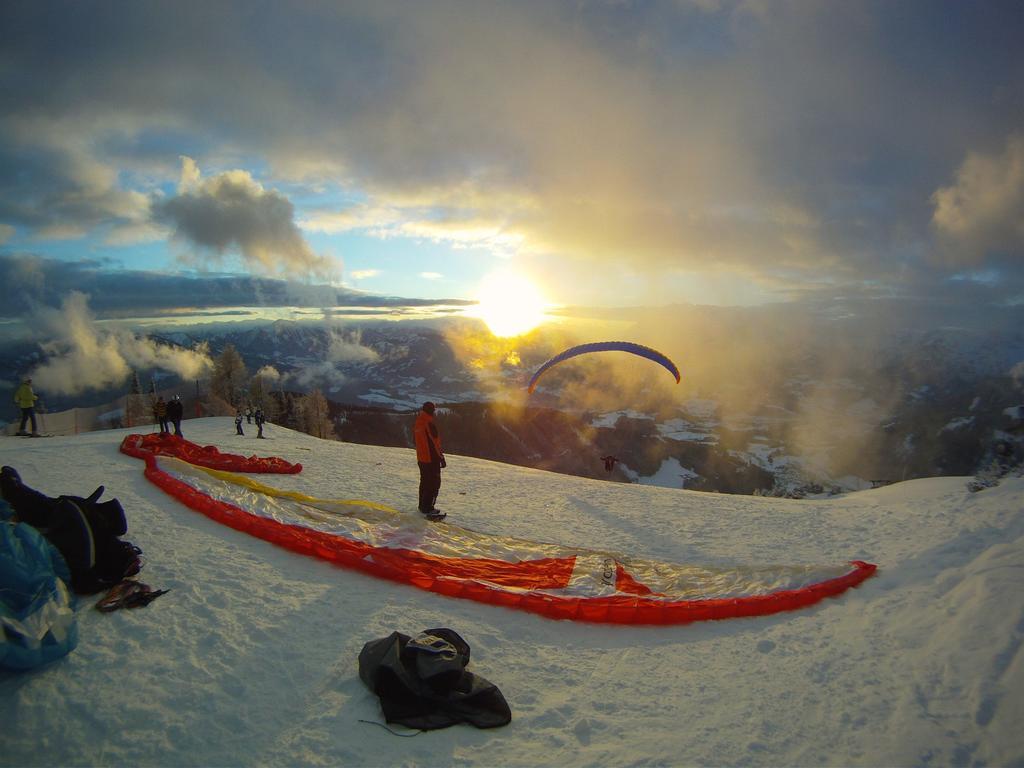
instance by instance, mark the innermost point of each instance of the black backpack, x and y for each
(84, 530)
(423, 683)
(87, 534)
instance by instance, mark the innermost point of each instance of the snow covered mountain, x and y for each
(923, 404)
(251, 657)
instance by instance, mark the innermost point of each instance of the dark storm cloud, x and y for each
(31, 282)
(233, 212)
(795, 143)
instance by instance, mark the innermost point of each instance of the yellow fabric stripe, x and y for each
(254, 485)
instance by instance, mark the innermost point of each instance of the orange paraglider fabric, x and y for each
(163, 444)
(551, 580)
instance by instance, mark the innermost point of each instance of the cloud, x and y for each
(6, 233)
(442, 217)
(32, 281)
(431, 275)
(367, 217)
(269, 372)
(364, 274)
(81, 356)
(983, 211)
(232, 212)
(348, 348)
(322, 374)
(648, 139)
(55, 182)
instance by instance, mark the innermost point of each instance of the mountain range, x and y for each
(939, 402)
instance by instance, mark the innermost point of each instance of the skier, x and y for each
(258, 415)
(25, 399)
(248, 414)
(430, 459)
(238, 422)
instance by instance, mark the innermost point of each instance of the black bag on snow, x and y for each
(83, 529)
(423, 683)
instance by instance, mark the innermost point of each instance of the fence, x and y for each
(134, 411)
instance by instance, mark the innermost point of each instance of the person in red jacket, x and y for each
(430, 458)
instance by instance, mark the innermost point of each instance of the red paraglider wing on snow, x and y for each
(552, 580)
(141, 446)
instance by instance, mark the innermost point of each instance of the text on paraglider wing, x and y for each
(608, 571)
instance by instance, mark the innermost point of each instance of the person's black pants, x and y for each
(26, 414)
(430, 484)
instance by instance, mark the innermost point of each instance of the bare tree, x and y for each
(259, 396)
(229, 376)
(316, 416)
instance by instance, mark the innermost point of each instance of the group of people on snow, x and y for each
(167, 413)
(250, 416)
(429, 455)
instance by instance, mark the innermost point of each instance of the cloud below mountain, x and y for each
(81, 356)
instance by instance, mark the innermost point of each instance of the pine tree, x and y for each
(135, 405)
(152, 399)
(229, 375)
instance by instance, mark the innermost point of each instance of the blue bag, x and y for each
(37, 610)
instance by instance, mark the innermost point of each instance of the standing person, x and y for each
(238, 422)
(248, 414)
(259, 421)
(430, 458)
(160, 414)
(175, 410)
(25, 399)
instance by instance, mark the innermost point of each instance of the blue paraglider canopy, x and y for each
(607, 346)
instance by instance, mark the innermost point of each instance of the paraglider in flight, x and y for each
(607, 346)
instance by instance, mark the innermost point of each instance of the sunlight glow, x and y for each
(510, 304)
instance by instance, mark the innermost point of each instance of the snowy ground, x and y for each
(251, 658)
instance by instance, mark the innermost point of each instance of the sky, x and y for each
(251, 657)
(161, 155)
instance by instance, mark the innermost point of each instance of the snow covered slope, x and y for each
(251, 658)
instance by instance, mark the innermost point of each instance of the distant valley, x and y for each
(928, 406)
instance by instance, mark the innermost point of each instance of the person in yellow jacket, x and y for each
(429, 457)
(25, 399)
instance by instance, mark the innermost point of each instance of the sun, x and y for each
(509, 304)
